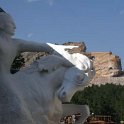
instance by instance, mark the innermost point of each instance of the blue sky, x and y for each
(99, 23)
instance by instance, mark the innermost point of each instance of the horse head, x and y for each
(76, 79)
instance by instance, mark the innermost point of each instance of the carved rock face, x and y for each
(81, 46)
(106, 64)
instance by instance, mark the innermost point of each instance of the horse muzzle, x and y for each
(63, 96)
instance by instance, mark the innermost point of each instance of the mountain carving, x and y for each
(107, 65)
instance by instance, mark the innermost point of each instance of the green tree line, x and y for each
(103, 100)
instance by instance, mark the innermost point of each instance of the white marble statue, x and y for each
(35, 94)
(79, 74)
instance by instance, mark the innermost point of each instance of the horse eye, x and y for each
(80, 78)
(80, 82)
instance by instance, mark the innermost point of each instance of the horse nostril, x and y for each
(63, 94)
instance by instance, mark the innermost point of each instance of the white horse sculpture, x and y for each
(34, 95)
(42, 90)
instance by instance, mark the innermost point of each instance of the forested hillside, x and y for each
(103, 100)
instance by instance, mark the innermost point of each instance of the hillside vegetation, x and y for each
(103, 100)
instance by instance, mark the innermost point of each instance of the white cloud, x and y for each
(121, 12)
(50, 2)
(32, 0)
(30, 35)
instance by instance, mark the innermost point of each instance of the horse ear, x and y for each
(1, 10)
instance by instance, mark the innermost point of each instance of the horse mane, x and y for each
(48, 64)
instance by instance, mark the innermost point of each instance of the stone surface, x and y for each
(108, 80)
(81, 46)
(30, 57)
(106, 64)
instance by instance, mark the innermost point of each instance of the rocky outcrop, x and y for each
(106, 64)
(107, 80)
(32, 56)
(29, 57)
(81, 46)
